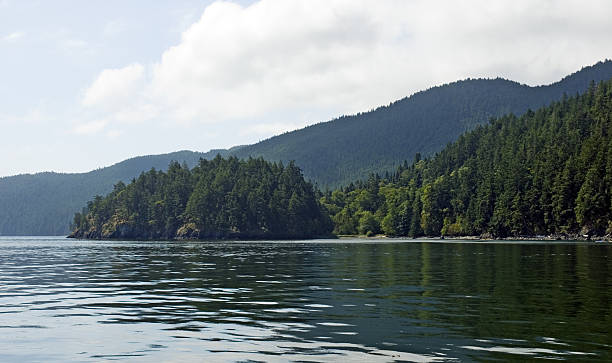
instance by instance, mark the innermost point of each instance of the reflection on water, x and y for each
(305, 301)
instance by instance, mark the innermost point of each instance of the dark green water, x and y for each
(66, 300)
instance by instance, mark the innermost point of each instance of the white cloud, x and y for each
(238, 62)
(114, 88)
(115, 98)
(277, 58)
(13, 37)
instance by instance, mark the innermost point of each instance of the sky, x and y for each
(86, 84)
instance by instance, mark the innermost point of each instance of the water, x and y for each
(66, 300)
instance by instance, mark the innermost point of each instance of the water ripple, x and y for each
(66, 300)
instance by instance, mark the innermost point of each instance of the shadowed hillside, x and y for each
(330, 154)
(351, 147)
(548, 172)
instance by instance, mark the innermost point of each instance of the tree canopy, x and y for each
(548, 172)
(349, 148)
(217, 199)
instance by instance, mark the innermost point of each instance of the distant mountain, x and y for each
(351, 147)
(44, 203)
(548, 172)
(331, 153)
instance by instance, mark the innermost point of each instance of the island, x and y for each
(217, 199)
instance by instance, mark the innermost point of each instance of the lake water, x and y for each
(345, 300)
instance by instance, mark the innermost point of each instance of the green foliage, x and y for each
(349, 148)
(368, 225)
(547, 172)
(44, 203)
(335, 153)
(218, 199)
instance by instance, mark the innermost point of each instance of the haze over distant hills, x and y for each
(44, 203)
(330, 153)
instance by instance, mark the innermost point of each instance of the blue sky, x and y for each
(85, 84)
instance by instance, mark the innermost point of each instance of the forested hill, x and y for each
(548, 172)
(221, 198)
(44, 203)
(351, 147)
(330, 154)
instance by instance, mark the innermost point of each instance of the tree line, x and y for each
(217, 199)
(548, 172)
(349, 148)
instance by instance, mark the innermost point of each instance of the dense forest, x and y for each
(217, 199)
(548, 172)
(343, 150)
(331, 154)
(43, 204)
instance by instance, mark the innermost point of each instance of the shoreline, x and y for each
(547, 238)
(378, 237)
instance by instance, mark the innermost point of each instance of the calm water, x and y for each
(65, 300)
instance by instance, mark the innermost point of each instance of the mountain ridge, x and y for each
(546, 173)
(472, 102)
(330, 153)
